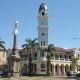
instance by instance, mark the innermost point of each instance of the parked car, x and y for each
(72, 73)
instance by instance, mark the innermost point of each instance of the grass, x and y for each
(35, 78)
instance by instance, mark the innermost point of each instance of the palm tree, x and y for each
(50, 53)
(74, 63)
(30, 44)
(2, 44)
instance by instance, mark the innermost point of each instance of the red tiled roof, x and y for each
(58, 49)
(69, 50)
(26, 50)
(63, 50)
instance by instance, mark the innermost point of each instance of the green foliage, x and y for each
(56, 55)
(74, 63)
(35, 78)
(30, 44)
(2, 44)
(48, 68)
(50, 53)
(22, 66)
(30, 67)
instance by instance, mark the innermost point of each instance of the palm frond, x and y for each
(25, 45)
(51, 47)
(2, 42)
(48, 56)
(2, 46)
(28, 41)
(34, 40)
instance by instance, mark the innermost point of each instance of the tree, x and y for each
(22, 68)
(74, 63)
(50, 53)
(30, 45)
(2, 44)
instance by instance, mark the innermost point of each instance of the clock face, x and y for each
(43, 22)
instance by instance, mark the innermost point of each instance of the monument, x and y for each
(14, 58)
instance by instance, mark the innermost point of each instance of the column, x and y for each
(59, 73)
(54, 70)
(64, 70)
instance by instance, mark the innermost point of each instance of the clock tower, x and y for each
(43, 25)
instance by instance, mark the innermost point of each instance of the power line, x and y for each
(75, 38)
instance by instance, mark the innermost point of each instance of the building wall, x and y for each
(59, 65)
(3, 58)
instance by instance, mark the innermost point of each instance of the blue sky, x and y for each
(64, 21)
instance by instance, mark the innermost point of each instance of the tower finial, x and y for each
(15, 33)
(16, 27)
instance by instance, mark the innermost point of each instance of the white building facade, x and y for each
(61, 63)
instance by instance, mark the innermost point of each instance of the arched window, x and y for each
(78, 56)
(42, 43)
(42, 54)
(61, 68)
(56, 68)
(43, 35)
(42, 13)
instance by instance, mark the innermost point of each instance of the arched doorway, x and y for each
(57, 69)
(52, 69)
(78, 68)
(70, 67)
(66, 68)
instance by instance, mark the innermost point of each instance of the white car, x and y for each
(73, 73)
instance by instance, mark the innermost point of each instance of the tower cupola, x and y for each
(43, 7)
(43, 10)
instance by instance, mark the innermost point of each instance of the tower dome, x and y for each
(42, 7)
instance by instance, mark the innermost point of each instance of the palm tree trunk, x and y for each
(48, 67)
(30, 63)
